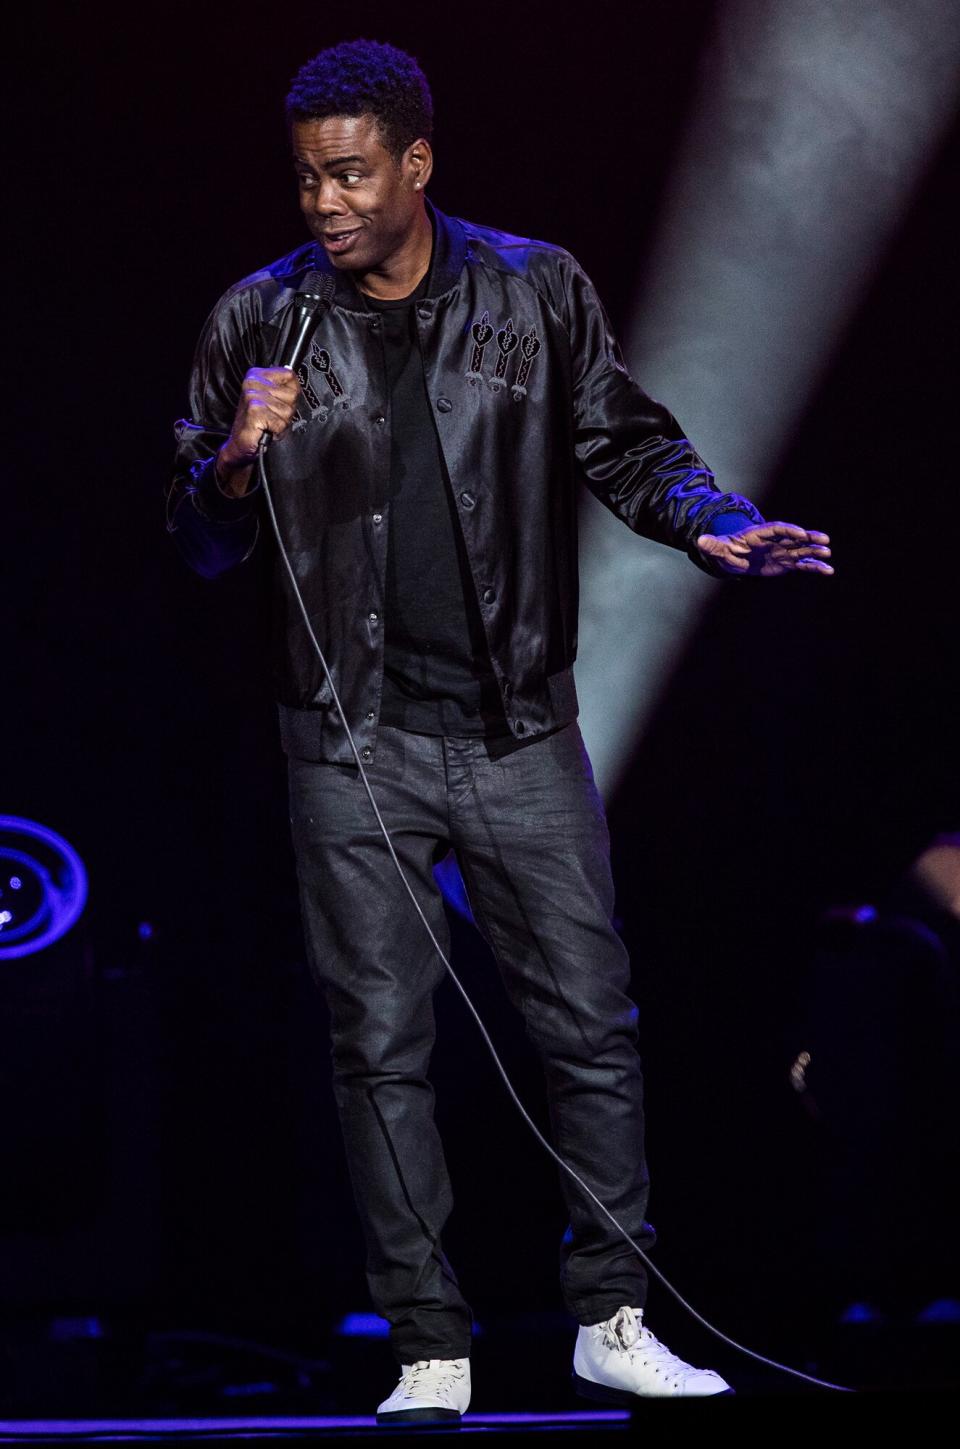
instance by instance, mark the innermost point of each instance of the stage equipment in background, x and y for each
(876, 1074)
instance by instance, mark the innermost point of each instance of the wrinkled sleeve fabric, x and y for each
(632, 452)
(212, 530)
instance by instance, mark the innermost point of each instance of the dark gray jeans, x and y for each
(531, 839)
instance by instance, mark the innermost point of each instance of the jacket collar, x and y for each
(449, 255)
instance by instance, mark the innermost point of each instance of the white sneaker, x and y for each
(620, 1360)
(429, 1392)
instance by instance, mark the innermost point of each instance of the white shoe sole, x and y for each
(602, 1394)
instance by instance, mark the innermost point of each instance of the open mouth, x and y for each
(340, 241)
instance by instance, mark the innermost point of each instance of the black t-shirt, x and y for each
(437, 675)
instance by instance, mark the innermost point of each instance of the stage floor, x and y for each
(300, 1429)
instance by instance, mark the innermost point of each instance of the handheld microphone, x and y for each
(306, 310)
(310, 302)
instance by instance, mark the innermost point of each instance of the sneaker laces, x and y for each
(625, 1333)
(443, 1373)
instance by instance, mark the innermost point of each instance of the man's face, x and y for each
(358, 202)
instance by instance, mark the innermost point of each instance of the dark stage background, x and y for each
(171, 1152)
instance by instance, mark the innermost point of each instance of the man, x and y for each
(424, 470)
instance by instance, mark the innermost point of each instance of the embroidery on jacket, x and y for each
(482, 332)
(320, 412)
(529, 347)
(507, 342)
(320, 359)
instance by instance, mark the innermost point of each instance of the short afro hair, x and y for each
(365, 77)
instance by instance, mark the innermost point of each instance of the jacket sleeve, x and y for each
(212, 530)
(632, 452)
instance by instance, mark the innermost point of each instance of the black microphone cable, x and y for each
(303, 331)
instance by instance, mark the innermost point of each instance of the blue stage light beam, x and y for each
(815, 121)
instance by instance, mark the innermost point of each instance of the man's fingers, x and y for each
(770, 549)
(277, 419)
(769, 532)
(774, 566)
(794, 548)
(286, 392)
(778, 530)
(257, 402)
(273, 377)
(264, 416)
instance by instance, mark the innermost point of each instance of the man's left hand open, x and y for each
(768, 549)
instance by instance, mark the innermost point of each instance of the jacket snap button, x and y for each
(370, 716)
(467, 499)
(378, 518)
(444, 405)
(373, 616)
(379, 419)
(366, 752)
(425, 312)
(488, 596)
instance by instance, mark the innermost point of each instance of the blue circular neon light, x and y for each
(34, 850)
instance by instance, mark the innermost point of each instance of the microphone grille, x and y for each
(319, 285)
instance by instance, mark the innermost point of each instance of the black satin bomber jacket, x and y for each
(529, 394)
